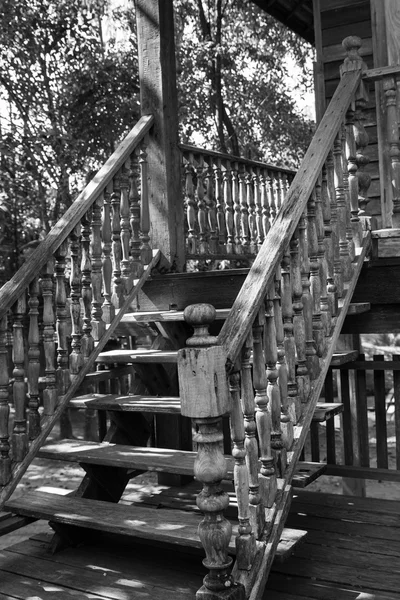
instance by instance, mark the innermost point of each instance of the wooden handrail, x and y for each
(237, 326)
(381, 72)
(232, 158)
(11, 290)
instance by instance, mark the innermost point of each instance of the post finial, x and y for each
(353, 60)
(200, 317)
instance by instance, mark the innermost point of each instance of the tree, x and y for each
(232, 73)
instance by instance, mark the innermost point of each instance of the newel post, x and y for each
(204, 395)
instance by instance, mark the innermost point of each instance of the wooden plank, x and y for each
(362, 415)
(346, 422)
(380, 416)
(107, 374)
(349, 503)
(244, 310)
(396, 396)
(387, 582)
(174, 527)
(314, 439)
(351, 542)
(326, 410)
(49, 575)
(379, 283)
(334, 17)
(329, 5)
(335, 35)
(340, 358)
(382, 318)
(307, 472)
(330, 426)
(22, 586)
(48, 422)
(165, 315)
(363, 472)
(358, 308)
(153, 404)
(137, 356)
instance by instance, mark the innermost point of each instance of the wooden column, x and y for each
(158, 96)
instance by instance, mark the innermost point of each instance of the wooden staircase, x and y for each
(250, 375)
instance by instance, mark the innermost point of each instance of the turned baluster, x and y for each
(97, 323)
(337, 267)
(76, 357)
(33, 360)
(362, 160)
(201, 205)
(5, 459)
(323, 266)
(285, 422)
(87, 342)
(134, 206)
(205, 398)
(107, 307)
(344, 255)
(212, 214)
(219, 203)
(311, 356)
(62, 373)
(349, 229)
(352, 170)
(257, 512)
(20, 435)
(390, 90)
(228, 202)
(266, 215)
(244, 211)
(303, 378)
(326, 190)
(252, 213)
(49, 347)
(285, 185)
(315, 280)
(236, 208)
(272, 196)
(293, 401)
(258, 207)
(117, 290)
(267, 477)
(245, 541)
(124, 227)
(279, 190)
(145, 249)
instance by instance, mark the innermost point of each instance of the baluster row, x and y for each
(230, 206)
(57, 322)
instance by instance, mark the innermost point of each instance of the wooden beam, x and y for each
(158, 96)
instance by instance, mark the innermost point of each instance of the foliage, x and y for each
(233, 74)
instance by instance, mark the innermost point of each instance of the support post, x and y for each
(158, 96)
(204, 395)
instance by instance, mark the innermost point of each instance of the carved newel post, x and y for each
(205, 398)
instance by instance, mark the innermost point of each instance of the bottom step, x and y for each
(176, 527)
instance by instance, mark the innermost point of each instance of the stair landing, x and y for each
(351, 553)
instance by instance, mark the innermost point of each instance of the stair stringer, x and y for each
(256, 578)
(48, 422)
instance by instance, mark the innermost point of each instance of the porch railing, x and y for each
(230, 204)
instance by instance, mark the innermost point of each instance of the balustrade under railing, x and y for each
(57, 310)
(230, 204)
(278, 340)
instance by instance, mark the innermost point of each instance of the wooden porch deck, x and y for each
(352, 552)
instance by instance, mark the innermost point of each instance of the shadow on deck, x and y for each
(352, 552)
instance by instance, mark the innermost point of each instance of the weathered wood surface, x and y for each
(15, 286)
(238, 324)
(48, 422)
(326, 410)
(137, 356)
(154, 404)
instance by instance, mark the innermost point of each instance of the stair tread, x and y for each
(161, 525)
(140, 356)
(356, 308)
(326, 410)
(178, 462)
(165, 315)
(134, 403)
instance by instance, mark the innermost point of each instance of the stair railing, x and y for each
(277, 342)
(63, 304)
(230, 204)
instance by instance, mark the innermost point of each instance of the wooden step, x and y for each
(326, 410)
(170, 316)
(162, 460)
(131, 403)
(171, 356)
(357, 308)
(175, 527)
